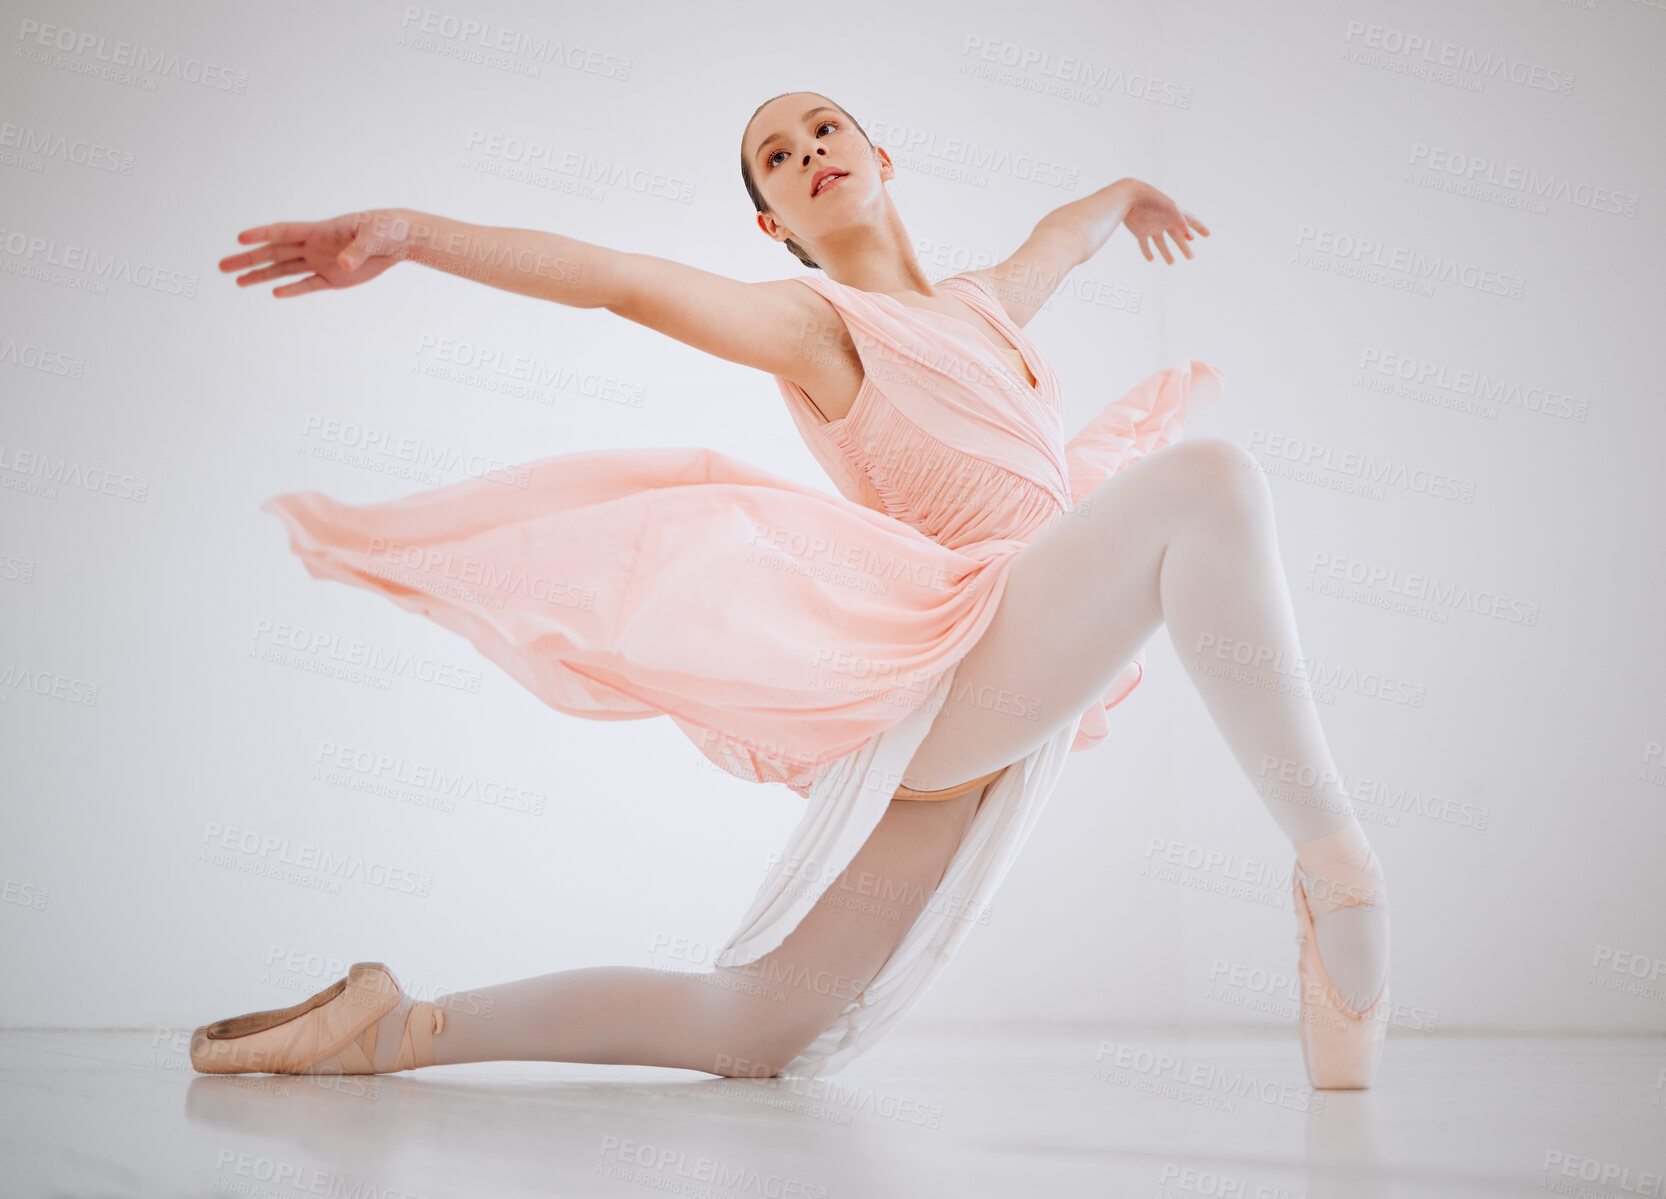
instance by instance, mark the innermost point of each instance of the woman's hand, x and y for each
(342, 252)
(1150, 214)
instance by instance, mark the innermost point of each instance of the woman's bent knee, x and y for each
(761, 1048)
(1222, 474)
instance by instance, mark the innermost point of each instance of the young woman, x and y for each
(915, 656)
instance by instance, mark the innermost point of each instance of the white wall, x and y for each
(1267, 123)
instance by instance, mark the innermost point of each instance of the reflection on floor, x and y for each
(927, 1113)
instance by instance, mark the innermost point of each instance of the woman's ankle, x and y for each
(1339, 870)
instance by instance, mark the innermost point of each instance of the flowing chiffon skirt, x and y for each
(779, 626)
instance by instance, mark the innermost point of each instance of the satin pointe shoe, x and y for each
(1340, 1046)
(333, 1032)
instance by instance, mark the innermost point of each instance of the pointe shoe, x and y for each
(333, 1032)
(1340, 1046)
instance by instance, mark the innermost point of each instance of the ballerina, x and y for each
(915, 656)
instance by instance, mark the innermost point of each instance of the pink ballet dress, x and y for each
(793, 635)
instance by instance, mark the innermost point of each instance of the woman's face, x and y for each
(797, 140)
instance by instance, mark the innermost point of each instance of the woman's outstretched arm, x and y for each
(356, 247)
(1146, 212)
(1072, 233)
(777, 326)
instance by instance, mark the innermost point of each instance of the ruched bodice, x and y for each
(955, 498)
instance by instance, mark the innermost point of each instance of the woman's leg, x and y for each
(1184, 537)
(748, 1021)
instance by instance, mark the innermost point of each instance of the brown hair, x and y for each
(758, 201)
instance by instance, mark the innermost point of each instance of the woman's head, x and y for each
(790, 139)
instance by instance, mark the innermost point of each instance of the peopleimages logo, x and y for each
(282, 643)
(1432, 53)
(1627, 973)
(258, 853)
(398, 776)
(663, 1168)
(1494, 391)
(1441, 595)
(1321, 245)
(1642, 1183)
(1157, 1072)
(46, 258)
(140, 63)
(1477, 170)
(1273, 449)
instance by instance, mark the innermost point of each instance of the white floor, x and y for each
(927, 1113)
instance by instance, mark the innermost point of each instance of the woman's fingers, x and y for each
(1197, 224)
(282, 231)
(332, 254)
(276, 252)
(294, 266)
(301, 288)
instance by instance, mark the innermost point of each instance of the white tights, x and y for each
(1184, 538)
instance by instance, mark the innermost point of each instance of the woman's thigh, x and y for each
(780, 1003)
(1081, 600)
